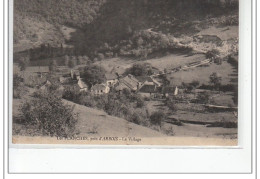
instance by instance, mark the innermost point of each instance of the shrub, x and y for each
(171, 104)
(203, 98)
(212, 54)
(135, 118)
(49, 115)
(139, 102)
(215, 80)
(18, 88)
(157, 117)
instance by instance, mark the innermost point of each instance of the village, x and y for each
(137, 97)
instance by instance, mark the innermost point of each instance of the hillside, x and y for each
(95, 123)
(39, 22)
(119, 26)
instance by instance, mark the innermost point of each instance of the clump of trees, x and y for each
(171, 104)
(157, 117)
(140, 69)
(18, 87)
(93, 74)
(49, 115)
(203, 98)
(189, 87)
(212, 54)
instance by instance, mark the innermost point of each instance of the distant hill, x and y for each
(37, 21)
(115, 22)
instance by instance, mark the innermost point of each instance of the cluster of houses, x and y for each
(146, 86)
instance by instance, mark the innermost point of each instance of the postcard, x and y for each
(133, 72)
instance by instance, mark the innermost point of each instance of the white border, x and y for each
(153, 160)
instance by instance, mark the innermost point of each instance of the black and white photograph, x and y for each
(125, 72)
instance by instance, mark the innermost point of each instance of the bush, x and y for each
(18, 88)
(215, 80)
(171, 104)
(139, 102)
(48, 114)
(135, 118)
(212, 54)
(203, 98)
(157, 117)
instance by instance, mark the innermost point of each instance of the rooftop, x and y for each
(148, 89)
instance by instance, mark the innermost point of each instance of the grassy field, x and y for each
(185, 113)
(170, 61)
(201, 74)
(174, 60)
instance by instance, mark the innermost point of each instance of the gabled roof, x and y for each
(130, 81)
(169, 89)
(148, 89)
(121, 86)
(37, 69)
(144, 79)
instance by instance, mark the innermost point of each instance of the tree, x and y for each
(53, 65)
(17, 88)
(203, 98)
(212, 54)
(66, 60)
(93, 74)
(215, 80)
(23, 63)
(139, 102)
(71, 63)
(157, 117)
(171, 104)
(140, 69)
(48, 113)
(101, 56)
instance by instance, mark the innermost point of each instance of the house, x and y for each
(111, 79)
(82, 85)
(147, 80)
(170, 91)
(148, 90)
(128, 82)
(99, 89)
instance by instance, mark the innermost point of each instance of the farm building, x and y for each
(148, 90)
(170, 91)
(111, 79)
(147, 80)
(99, 89)
(128, 82)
